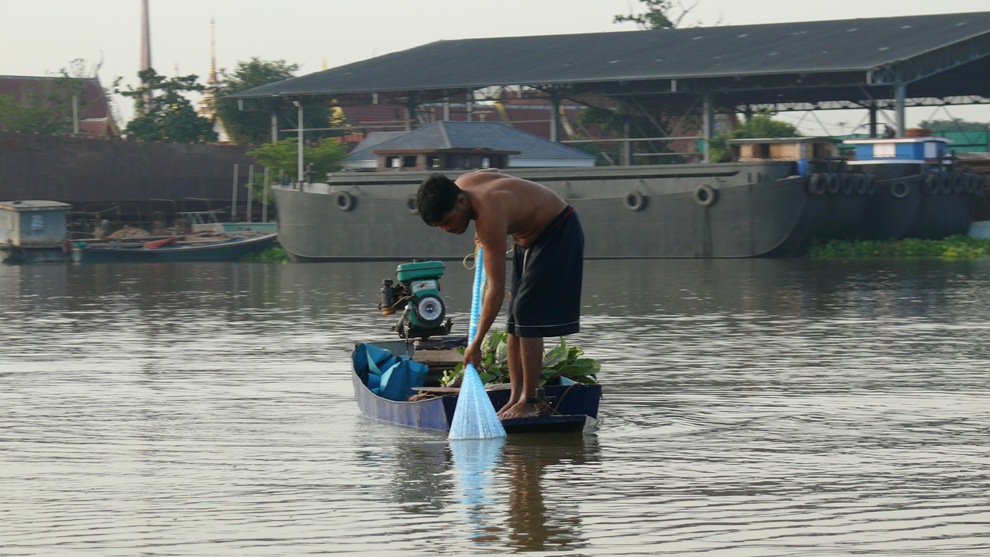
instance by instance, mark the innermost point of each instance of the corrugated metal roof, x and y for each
(470, 135)
(730, 52)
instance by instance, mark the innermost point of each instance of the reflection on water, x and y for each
(544, 508)
(752, 407)
(534, 515)
(475, 461)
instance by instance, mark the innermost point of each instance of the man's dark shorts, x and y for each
(546, 281)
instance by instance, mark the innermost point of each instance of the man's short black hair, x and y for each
(436, 197)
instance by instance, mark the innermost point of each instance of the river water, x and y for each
(752, 407)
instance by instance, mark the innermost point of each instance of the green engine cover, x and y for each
(419, 270)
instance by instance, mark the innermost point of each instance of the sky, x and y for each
(43, 37)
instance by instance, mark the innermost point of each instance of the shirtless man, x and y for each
(546, 269)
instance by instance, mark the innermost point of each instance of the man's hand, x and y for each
(472, 355)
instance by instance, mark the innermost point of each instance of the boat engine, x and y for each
(417, 295)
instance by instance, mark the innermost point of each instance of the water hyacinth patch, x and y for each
(560, 361)
(952, 248)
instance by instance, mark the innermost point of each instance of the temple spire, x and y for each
(212, 79)
(208, 103)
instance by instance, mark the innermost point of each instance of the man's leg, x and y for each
(515, 373)
(525, 381)
(532, 364)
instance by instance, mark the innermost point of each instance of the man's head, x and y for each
(436, 198)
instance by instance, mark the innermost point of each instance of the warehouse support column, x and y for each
(627, 144)
(410, 114)
(299, 152)
(233, 193)
(708, 125)
(554, 118)
(901, 94)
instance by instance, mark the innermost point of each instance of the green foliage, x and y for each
(951, 248)
(633, 118)
(561, 361)
(253, 124)
(953, 125)
(164, 113)
(276, 254)
(637, 119)
(641, 119)
(763, 125)
(283, 155)
(644, 120)
(760, 125)
(655, 17)
(565, 361)
(47, 109)
(592, 116)
(24, 117)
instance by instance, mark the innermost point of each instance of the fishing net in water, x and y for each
(474, 416)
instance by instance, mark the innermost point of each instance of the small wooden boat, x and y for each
(574, 406)
(171, 249)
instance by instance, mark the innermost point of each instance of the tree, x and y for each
(25, 117)
(253, 124)
(756, 126)
(660, 14)
(648, 121)
(954, 125)
(283, 156)
(164, 113)
(643, 119)
(46, 108)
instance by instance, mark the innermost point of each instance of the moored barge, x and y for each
(777, 199)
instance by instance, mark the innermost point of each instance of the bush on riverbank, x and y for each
(951, 248)
(276, 254)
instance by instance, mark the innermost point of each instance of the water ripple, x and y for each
(771, 408)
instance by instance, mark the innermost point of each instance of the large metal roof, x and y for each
(803, 65)
(470, 135)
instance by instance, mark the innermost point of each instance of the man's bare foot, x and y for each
(508, 407)
(524, 409)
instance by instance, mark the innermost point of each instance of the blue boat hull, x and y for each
(575, 408)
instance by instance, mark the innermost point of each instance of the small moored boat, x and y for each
(172, 249)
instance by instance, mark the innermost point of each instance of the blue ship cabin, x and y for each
(901, 149)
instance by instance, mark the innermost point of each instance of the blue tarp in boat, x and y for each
(387, 375)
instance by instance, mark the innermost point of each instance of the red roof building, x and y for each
(80, 103)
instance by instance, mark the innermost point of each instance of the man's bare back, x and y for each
(508, 205)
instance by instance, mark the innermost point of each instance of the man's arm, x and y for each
(493, 254)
